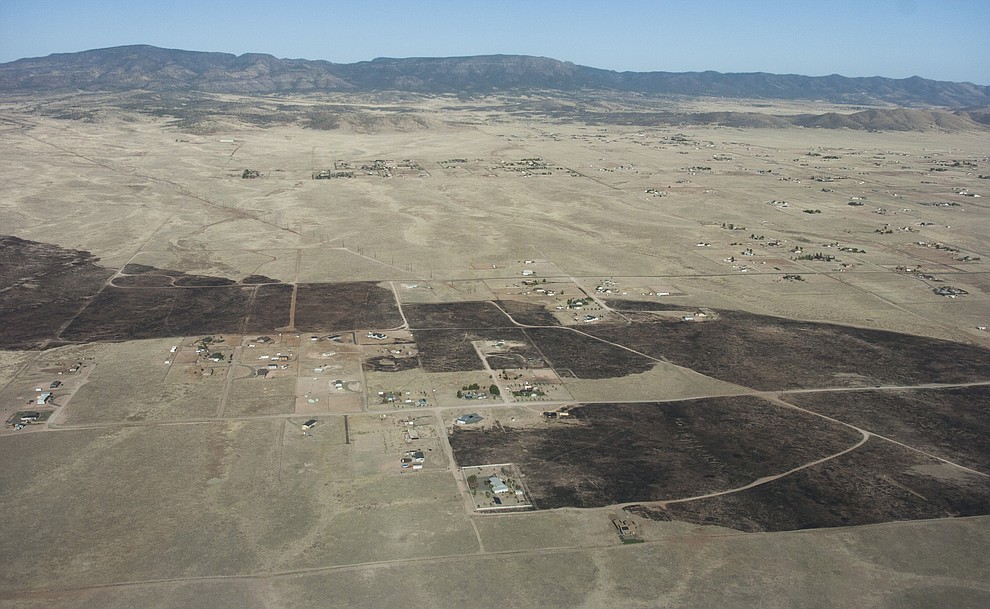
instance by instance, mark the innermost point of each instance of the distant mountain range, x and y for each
(149, 68)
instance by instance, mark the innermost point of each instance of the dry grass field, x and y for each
(738, 332)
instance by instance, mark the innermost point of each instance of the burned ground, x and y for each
(517, 356)
(202, 281)
(616, 453)
(133, 313)
(452, 351)
(624, 305)
(41, 287)
(769, 353)
(878, 482)
(528, 314)
(269, 309)
(334, 307)
(573, 354)
(143, 281)
(950, 423)
(390, 364)
(472, 315)
(256, 279)
(142, 274)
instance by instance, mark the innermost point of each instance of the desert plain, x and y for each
(764, 350)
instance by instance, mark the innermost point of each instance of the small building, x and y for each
(29, 416)
(55, 385)
(309, 424)
(44, 398)
(498, 487)
(468, 419)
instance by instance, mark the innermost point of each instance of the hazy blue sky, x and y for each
(940, 39)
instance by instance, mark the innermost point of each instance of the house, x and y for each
(44, 398)
(468, 419)
(264, 340)
(30, 416)
(55, 385)
(309, 424)
(498, 486)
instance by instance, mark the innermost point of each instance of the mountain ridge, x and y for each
(146, 67)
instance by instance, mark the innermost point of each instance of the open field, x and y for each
(759, 348)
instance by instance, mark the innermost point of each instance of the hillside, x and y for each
(149, 68)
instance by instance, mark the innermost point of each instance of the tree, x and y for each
(493, 389)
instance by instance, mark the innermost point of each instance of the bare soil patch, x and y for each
(616, 453)
(330, 307)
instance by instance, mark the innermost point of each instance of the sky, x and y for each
(937, 39)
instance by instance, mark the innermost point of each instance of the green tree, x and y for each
(493, 389)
